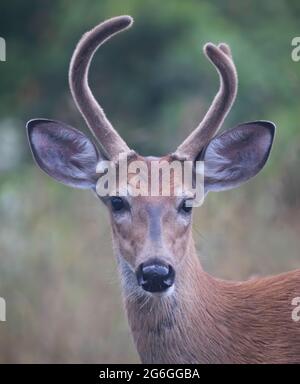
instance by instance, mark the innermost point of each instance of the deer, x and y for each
(177, 312)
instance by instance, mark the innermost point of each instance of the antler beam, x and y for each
(112, 144)
(221, 58)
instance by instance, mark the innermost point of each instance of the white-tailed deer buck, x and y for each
(177, 312)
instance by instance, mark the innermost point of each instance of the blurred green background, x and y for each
(57, 271)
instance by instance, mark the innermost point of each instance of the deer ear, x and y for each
(237, 155)
(63, 152)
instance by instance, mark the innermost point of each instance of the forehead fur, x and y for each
(145, 173)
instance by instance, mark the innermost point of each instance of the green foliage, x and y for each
(56, 267)
(152, 80)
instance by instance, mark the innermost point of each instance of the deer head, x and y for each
(152, 235)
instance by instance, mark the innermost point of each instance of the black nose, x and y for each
(155, 276)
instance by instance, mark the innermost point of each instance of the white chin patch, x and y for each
(166, 293)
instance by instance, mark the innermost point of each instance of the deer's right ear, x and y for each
(63, 152)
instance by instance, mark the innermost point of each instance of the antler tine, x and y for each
(226, 49)
(220, 56)
(112, 144)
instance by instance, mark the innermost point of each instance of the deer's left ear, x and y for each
(237, 155)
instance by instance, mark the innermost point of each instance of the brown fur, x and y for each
(200, 319)
(205, 320)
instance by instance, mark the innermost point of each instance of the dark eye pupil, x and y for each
(117, 203)
(186, 207)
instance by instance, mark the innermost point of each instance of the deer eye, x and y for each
(186, 206)
(117, 203)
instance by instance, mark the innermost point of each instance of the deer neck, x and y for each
(189, 314)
